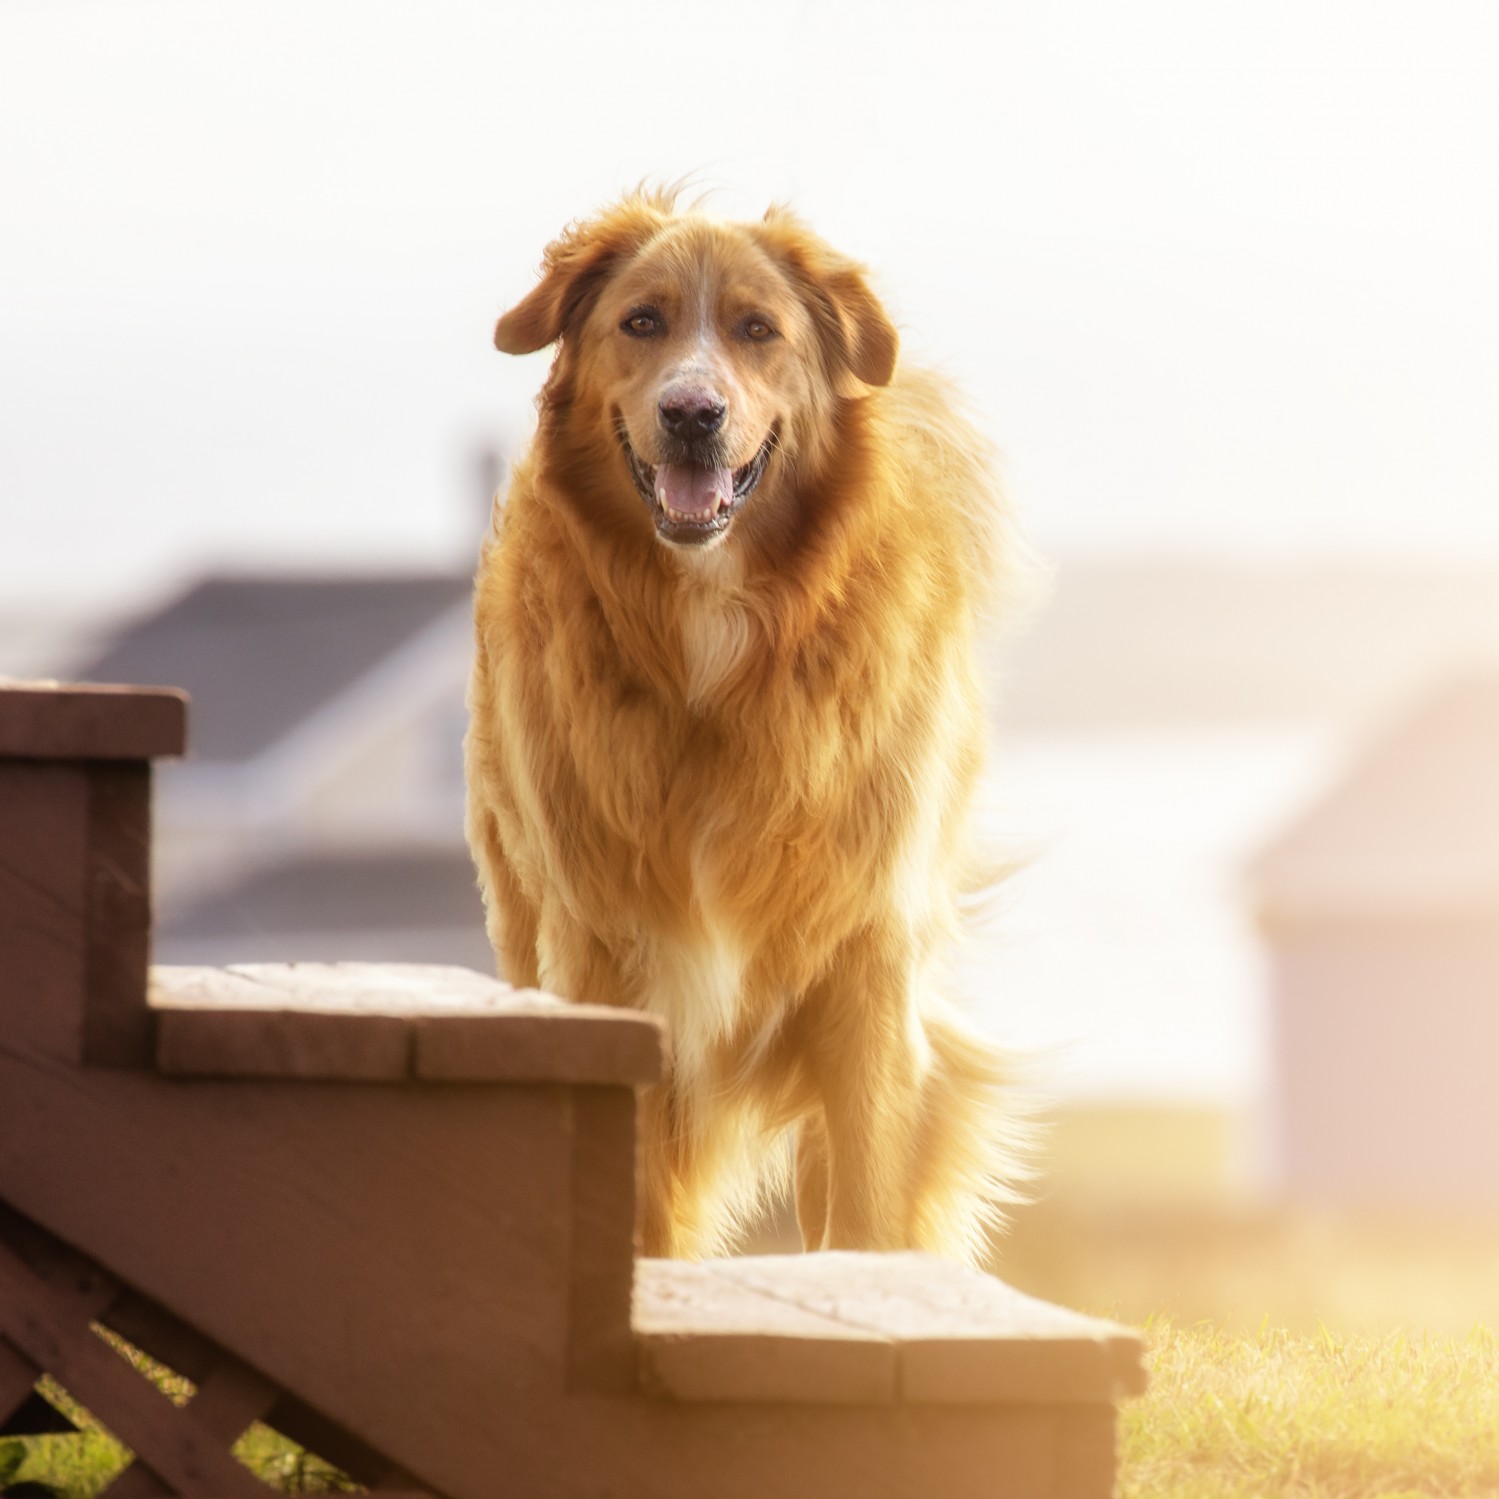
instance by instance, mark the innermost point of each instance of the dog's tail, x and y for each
(977, 1141)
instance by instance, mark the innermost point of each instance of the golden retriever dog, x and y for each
(725, 723)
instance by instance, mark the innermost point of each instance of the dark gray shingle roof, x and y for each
(259, 655)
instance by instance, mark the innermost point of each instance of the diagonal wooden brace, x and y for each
(51, 1329)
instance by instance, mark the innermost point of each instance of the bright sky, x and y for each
(1217, 278)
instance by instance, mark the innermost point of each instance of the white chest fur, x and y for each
(715, 624)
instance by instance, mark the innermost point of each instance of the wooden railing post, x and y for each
(75, 865)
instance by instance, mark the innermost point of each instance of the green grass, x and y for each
(82, 1465)
(1293, 1355)
(1275, 1415)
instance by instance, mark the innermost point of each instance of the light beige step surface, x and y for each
(860, 1328)
(390, 1022)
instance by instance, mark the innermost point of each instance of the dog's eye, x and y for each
(757, 330)
(642, 322)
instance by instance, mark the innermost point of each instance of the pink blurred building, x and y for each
(1381, 910)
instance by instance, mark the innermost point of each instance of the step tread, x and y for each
(846, 1327)
(390, 1022)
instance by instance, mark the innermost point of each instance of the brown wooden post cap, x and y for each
(88, 721)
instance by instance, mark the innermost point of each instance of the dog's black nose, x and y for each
(694, 413)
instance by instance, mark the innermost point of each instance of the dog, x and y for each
(725, 724)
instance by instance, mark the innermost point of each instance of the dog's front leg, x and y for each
(577, 964)
(670, 1213)
(866, 1057)
(509, 917)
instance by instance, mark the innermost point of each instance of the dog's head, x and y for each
(709, 354)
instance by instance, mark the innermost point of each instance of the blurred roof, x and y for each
(1118, 645)
(1155, 643)
(261, 654)
(381, 889)
(1412, 830)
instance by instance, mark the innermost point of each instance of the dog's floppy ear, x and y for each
(574, 267)
(868, 337)
(856, 331)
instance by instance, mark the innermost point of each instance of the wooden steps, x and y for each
(393, 1207)
(868, 1329)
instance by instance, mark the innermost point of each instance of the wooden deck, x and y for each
(389, 1210)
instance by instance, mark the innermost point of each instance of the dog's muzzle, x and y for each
(694, 503)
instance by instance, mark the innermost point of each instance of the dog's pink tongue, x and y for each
(693, 492)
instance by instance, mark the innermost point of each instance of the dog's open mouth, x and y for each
(694, 504)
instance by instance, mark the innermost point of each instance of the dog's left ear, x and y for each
(868, 337)
(856, 331)
(574, 267)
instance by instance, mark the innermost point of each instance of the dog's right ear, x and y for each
(855, 329)
(575, 266)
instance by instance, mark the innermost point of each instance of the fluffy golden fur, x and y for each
(720, 757)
